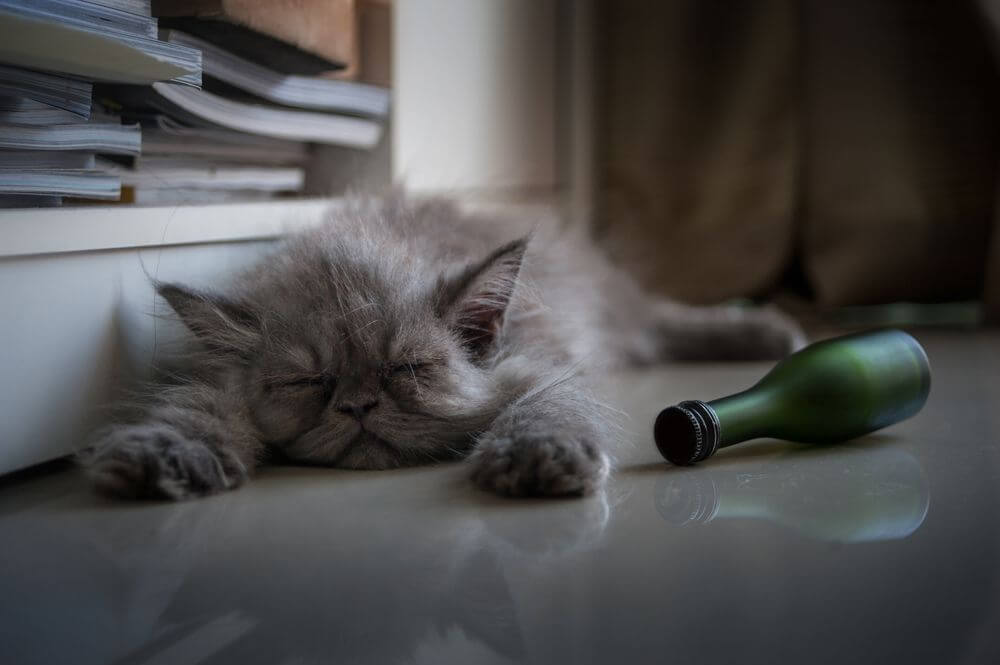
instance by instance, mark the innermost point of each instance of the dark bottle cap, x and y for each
(687, 433)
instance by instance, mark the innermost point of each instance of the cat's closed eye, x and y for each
(324, 382)
(415, 370)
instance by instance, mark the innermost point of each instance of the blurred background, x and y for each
(845, 151)
(835, 156)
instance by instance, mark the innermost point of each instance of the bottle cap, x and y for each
(687, 433)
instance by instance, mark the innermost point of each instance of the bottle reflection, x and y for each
(846, 495)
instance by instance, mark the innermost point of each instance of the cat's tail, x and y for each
(675, 331)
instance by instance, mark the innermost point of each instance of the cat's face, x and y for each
(371, 394)
(358, 364)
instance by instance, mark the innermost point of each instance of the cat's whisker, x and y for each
(357, 332)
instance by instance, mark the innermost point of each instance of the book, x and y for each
(205, 107)
(89, 49)
(159, 147)
(182, 196)
(263, 179)
(90, 12)
(68, 94)
(219, 179)
(307, 92)
(158, 144)
(61, 182)
(325, 28)
(140, 7)
(111, 139)
(254, 46)
(165, 136)
(188, 161)
(24, 111)
(29, 201)
(46, 159)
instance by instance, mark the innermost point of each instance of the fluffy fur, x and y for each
(407, 333)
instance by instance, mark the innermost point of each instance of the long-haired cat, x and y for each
(402, 333)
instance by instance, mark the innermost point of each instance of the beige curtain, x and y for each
(698, 137)
(857, 140)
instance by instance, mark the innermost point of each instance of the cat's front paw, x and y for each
(154, 461)
(539, 465)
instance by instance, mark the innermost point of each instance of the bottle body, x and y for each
(830, 391)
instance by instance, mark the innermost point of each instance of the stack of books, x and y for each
(50, 130)
(225, 111)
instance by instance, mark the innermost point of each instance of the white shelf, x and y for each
(88, 228)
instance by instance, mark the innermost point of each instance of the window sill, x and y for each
(24, 232)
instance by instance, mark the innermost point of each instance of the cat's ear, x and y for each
(220, 323)
(476, 300)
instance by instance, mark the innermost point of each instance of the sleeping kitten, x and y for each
(403, 333)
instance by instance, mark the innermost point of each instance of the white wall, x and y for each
(78, 326)
(475, 95)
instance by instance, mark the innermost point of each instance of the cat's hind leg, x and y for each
(719, 332)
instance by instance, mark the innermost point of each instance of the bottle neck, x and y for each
(742, 416)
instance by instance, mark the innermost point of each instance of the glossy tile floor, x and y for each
(881, 551)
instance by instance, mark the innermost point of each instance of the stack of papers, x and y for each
(94, 41)
(99, 100)
(51, 53)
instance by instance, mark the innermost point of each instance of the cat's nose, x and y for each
(358, 409)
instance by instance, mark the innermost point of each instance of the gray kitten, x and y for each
(404, 333)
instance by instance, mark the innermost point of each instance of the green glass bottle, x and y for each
(830, 391)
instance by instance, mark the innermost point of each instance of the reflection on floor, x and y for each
(769, 552)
